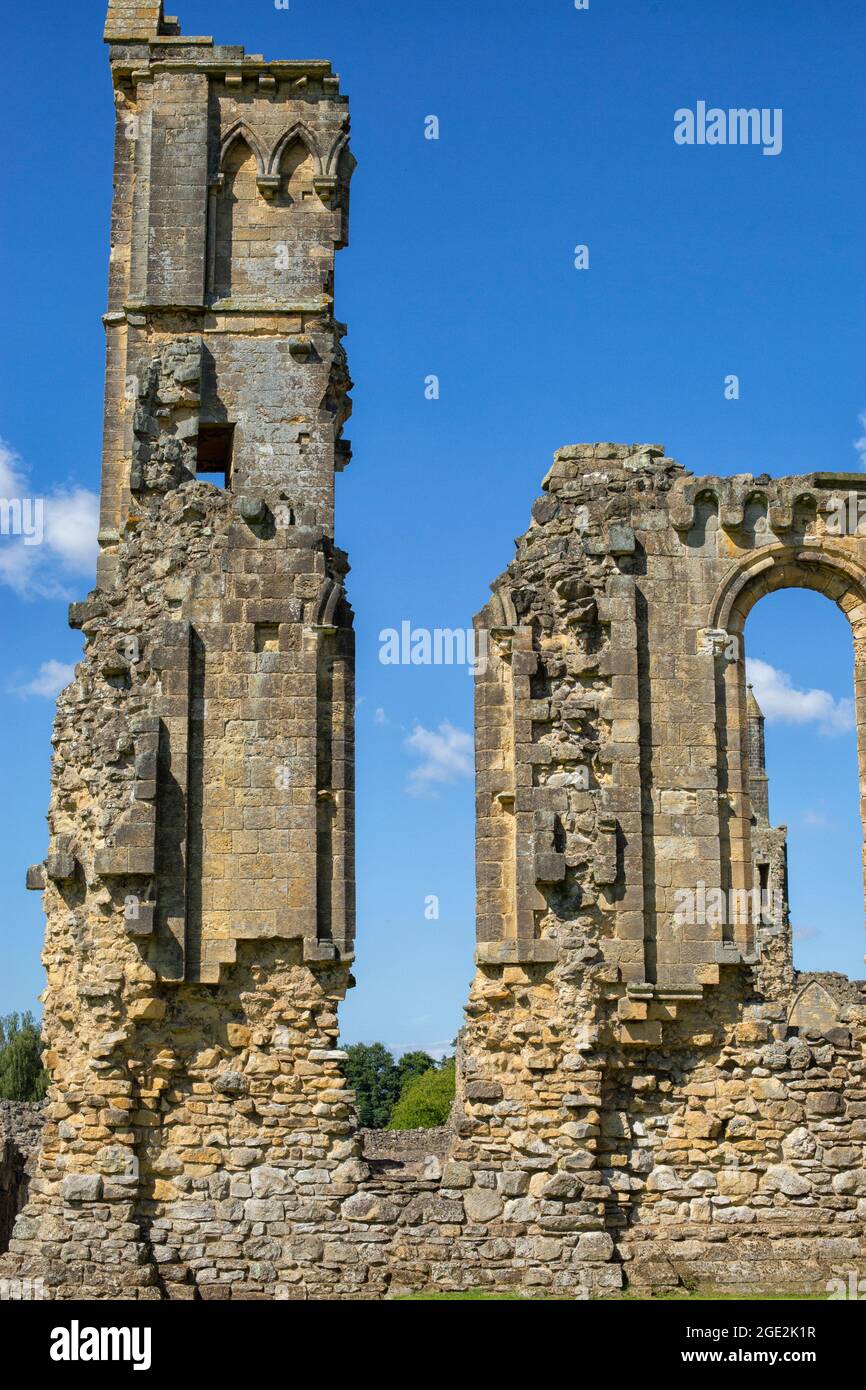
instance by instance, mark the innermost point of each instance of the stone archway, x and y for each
(823, 568)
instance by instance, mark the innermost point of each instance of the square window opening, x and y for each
(214, 456)
(267, 637)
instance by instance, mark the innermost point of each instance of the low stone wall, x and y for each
(420, 1151)
(742, 1166)
(732, 1157)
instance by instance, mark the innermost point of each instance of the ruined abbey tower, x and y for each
(202, 813)
(648, 1092)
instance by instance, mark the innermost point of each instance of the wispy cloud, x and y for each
(51, 679)
(436, 1050)
(67, 549)
(818, 820)
(782, 703)
(380, 717)
(445, 753)
(806, 933)
(860, 444)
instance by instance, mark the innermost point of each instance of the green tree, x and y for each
(413, 1064)
(375, 1078)
(426, 1099)
(22, 1075)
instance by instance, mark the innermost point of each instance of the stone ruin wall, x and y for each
(639, 1100)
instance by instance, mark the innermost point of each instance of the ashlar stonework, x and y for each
(648, 1092)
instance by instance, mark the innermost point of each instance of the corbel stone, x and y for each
(141, 924)
(780, 514)
(732, 506)
(326, 186)
(61, 865)
(620, 539)
(301, 349)
(37, 878)
(252, 509)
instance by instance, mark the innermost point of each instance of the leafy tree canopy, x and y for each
(378, 1081)
(22, 1076)
(372, 1073)
(426, 1099)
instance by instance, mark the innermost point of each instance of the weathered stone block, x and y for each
(82, 1187)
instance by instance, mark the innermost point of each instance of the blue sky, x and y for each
(556, 129)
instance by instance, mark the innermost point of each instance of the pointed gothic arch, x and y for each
(335, 153)
(236, 133)
(296, 132)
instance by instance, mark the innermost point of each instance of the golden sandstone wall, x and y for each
(645, 1095)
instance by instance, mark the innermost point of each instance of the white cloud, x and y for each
(446, 756)
(806, 933)
(437, 1050)
(67, 547)
(782, 703)
(71, 524)
(817, 819)
(52, 677)
(380, 717)
(860, 444)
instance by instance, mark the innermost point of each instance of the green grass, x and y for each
(716, 1296)
(625, 1296)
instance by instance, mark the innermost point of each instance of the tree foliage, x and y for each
(22, 1075)
(425, 1100)
(413, 1064)
(378, 1081)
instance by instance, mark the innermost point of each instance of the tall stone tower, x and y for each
(225, 364)
(199, 885)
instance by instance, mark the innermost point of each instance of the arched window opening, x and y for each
(806, 831)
